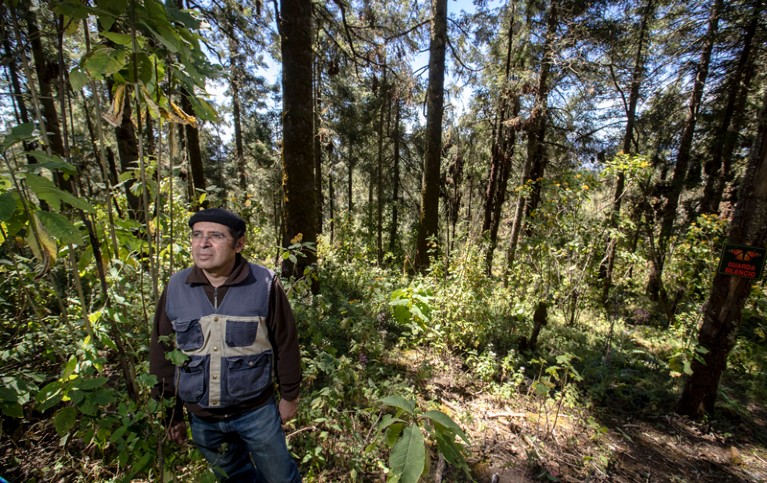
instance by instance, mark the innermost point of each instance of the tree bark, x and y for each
(428, 220)
(237, 74)
(722, 311)
(668, 216)
(394, 227)
(718, 169)
(502, 153)
(298, 177)
(536, 149)
(608, 263)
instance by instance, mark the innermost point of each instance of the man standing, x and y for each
(233, 321)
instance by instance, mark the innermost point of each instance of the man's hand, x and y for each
(177, 432)
(288, 409)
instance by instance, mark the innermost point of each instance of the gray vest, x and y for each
(230, 356)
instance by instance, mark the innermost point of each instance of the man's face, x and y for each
(213, 248)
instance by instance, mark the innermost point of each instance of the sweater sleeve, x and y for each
(284, 339)
(159, 365)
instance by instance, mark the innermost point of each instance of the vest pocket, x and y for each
(241, 333)
(247, 376)
(191, 379)
(188, 334)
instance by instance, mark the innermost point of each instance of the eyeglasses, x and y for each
(213, 236)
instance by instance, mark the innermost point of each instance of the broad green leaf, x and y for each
(104, 61)
(89, 384)
(46, 190)
(408, 455)
(65, 419)
(18, 133)
(43, 246)
(176, 357)
(61, 228)
(118, 38)
(49, 396)
(399, 402)
(9, 203)
(51, 162)
(117, 7)
(452, 451)
(69, 368)
(12, 409)
(8, 395)
(445, 421)
(77, 79)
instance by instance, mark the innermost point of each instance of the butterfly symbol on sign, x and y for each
(744, 255)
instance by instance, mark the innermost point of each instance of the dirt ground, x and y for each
(513, 443)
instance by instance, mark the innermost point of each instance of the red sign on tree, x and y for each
(742, 261)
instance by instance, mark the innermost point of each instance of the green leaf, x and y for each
(408, 456)
(49, 396)
(9, 203)
(104, 61)
(12, 409)
(58, 226)
(176, 357)
(18, 133)
(89, 384)
(8, 395)
(399, 402)
(46, 190)
(446, 422)
(77, 79)
(118, 38)
(65, 419)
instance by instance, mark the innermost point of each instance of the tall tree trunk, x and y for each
(502, 153)
(394, 227)
(350, 177)
(722, 312)
(298, 178)
(668, 216)
(236, 78)
(383, 98)
(127, 150)
(725, 140)
(47, 72)
(608, 263)
(318, 144)
(536, 137)
(194, 153)
(428, 220)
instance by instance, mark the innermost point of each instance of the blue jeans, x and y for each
(247, 448)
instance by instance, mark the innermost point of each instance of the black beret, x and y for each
(219, 215)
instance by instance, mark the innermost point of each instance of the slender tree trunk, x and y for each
(608, 263)
(668, 216)
(298, 178)
(428, 220)
(235, 60)
(350, 177)
(194, 153)
(379, 168)
(725, 140)
(536, 137)
(502, 153)
(723, 310)
(318, 145)
(394, 227)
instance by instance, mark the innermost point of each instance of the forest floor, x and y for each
(517, 440)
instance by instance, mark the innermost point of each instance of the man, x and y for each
(233, 321)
